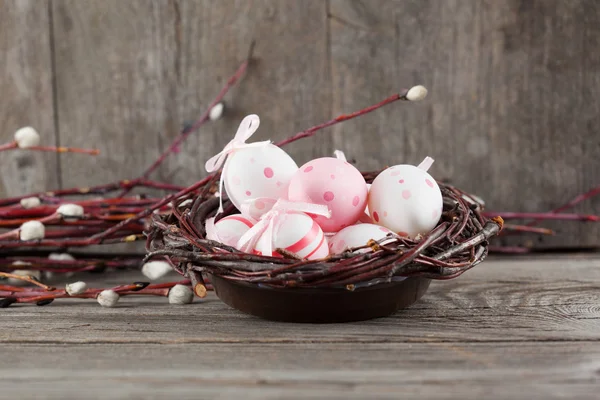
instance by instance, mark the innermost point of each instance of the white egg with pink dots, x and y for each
(406, 199)
(261, 171)
(357, 236)
(334, 183)
(229, 230)
(297, 233)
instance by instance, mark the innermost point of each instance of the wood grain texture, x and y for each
(511, 114)
(26, 95)
(503, 329)
(499, 301)
(291, 371)
(131, 74)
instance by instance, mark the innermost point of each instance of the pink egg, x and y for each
(356, 236)
(229, 230)
(299, 234)
(405, 199)
(261, 171)
(334, 183)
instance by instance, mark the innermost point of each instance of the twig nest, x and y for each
(32, 230)
(75, 288)
(156, 269)
(27, 137)
(416, 93)
(108, 298)
(30, 202)
(70, 211)
(180, 294)
(216, 112)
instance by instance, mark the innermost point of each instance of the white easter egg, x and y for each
(229, 230)
(405, 199)
(261, 171)
(356, 236)
(297, 233)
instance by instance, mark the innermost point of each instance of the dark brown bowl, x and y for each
(320, 305)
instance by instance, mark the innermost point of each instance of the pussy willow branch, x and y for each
(134, 289)
(546, 216)
(187, 131)
(14, 146)
(344, 117)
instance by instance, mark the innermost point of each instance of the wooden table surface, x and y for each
(511, 328)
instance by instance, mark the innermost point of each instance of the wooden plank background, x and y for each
(508, 329)
(513, 111)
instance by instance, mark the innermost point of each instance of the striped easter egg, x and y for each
(230, 229)
(297, 233)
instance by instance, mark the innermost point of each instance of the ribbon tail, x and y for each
(339, 155)
(269, 239)
(426, 164)
(316, 209)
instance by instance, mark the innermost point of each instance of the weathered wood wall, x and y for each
(513, 112)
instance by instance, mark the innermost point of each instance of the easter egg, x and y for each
(297, 233)
(261, 171)
(405, 199)
(229, 230)
(356, 236)
(334, 183)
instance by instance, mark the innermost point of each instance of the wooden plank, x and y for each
(499, 301)
(130, 74)
(26, 93)
(334, 371)
(511, 114)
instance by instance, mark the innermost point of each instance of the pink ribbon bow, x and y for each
(247, 127)
(270, 222)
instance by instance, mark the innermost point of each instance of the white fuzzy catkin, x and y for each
(23, 272)
(108, 298)
(30, 202)
(416, 93)
(70, 210)
(75, 288)
(61, 257)
(156, 269)
(32, 230)
(216, 112)
(27, 137)
(180, 294)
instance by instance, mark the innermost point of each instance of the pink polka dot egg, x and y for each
(334, 183)
(297, 233)
(356, 236)
(405, 199)
(261, 171)
(229, 230)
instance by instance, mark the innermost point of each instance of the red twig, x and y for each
(344, 117)
(542, 216)
(572, 203)
(187, 131)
